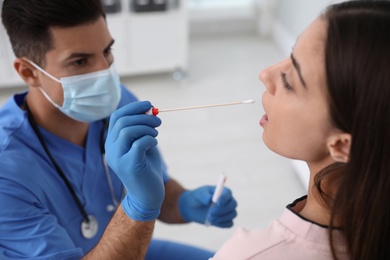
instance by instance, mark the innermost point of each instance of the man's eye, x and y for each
(79, 62)
(108, 51)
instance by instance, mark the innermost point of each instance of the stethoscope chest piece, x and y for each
(89, 229)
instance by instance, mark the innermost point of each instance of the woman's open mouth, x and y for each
(264, 120)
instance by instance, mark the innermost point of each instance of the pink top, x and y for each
(289, 237)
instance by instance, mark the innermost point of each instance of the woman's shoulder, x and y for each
(247, 244)
(288, 237)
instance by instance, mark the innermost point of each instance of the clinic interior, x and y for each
(200, 52)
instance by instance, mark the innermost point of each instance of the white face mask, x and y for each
(87, 97)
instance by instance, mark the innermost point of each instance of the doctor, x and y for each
(59, 199)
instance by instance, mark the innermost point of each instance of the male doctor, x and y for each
(59, 199)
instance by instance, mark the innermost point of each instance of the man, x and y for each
(59, 198)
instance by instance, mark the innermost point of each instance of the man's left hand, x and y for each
(194, 205)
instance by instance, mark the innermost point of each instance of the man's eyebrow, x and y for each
(298, 68)
(86, 54)
(78, 55)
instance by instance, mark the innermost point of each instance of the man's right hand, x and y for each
(132, 154)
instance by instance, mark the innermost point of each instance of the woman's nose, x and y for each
(270, 76)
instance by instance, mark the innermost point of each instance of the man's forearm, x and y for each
(124, 238)
(170, 210)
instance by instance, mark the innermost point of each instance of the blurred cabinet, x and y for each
(150, 36)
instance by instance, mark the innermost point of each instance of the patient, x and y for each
(328, 105)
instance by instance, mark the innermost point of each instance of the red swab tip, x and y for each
(155, 111)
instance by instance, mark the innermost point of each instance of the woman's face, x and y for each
(297, 124)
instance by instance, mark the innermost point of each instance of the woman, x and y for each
(329, 105)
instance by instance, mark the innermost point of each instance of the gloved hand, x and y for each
(132, 154)
(194, 205)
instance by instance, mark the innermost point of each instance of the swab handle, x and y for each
(155, 111)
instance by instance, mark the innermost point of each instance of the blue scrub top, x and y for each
(39, 217)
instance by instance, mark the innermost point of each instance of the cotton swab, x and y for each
(155, 111)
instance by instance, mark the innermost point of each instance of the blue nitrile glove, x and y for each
(194, 205)
(132, 154)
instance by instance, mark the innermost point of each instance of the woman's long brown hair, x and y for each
(358, 73)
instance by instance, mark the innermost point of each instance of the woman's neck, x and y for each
(315, 208)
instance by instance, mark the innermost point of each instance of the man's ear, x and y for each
(27, 72)
(339, 146)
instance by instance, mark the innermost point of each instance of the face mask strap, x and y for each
(43, 71)
(49, 99)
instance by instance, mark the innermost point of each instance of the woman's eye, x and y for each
(284, 81)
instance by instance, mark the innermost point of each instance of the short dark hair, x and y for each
(28, 22)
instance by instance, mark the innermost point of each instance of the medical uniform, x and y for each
(39, 217)
(289, 237)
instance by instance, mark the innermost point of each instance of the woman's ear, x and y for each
(339, 146)
(27, 72)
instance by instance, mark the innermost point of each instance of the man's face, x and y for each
(77, 50)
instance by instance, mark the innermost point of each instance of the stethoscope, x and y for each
(89, 225)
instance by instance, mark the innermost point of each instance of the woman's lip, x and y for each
(264, 120)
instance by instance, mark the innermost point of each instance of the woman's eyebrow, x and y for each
(298, 68)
